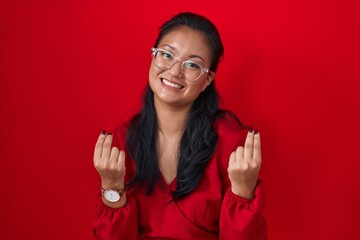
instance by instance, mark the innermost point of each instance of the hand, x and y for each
(244, 166)
(109, 162)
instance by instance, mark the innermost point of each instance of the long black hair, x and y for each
(199, 139)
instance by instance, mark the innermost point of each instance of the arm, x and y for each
(241, 218)
(242, 208)
(116, 220)
(116, 223)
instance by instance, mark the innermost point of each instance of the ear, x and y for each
(210, 77)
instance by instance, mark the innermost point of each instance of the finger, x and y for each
(257, 148)
(239, 155)
(107, 146)
(99, 145)
(249, 144)
(121, 159)
(232, 159)
(114, 154)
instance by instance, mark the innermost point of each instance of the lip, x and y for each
(172, 82)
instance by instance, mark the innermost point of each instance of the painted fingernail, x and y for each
(256, 131)
(103, 132)
(110, 133)
(251, 130)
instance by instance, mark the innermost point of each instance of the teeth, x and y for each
(170, 84)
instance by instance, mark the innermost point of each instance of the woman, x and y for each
(190, 169)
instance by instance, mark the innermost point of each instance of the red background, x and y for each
(70, 69)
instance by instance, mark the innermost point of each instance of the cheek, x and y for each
(153, 78)
(152, 74)
(203, 84)
(197, 88)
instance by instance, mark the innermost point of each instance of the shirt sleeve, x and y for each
(240, 218)
(117, 223)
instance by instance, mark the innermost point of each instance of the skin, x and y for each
(173, 105)
(244, 166)
(172, 108)
(184, 44)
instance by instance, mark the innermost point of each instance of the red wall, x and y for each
(70, 69)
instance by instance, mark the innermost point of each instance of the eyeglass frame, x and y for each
(154, 51)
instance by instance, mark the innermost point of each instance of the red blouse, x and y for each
(210, 212)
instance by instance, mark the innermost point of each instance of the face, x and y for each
(169, 86)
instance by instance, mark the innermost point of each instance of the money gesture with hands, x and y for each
(109, 162)
(244, 166)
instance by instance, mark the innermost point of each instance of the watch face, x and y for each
(111, 196)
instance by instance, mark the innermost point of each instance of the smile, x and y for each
(171, 84)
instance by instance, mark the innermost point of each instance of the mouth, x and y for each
(171, 84)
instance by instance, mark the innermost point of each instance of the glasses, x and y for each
(190, 70)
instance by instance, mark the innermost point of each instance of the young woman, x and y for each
(181, 168)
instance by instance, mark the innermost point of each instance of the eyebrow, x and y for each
(191, 56)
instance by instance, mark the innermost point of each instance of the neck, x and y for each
(171, 119)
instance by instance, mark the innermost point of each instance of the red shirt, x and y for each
(210, 212)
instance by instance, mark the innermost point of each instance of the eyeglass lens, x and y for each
(189, 69)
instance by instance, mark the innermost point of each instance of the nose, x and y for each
(175, 70)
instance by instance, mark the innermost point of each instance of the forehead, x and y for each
(187, 42)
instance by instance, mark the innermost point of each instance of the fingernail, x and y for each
(103, 132)
(251, 130)
(256, 131)
(110, 133)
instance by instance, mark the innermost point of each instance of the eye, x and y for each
(192, 65)
(166, 55)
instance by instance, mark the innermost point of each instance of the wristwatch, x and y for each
(112, 195)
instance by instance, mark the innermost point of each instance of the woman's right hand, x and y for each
(109, 162)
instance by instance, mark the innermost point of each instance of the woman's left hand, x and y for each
(244, 166)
